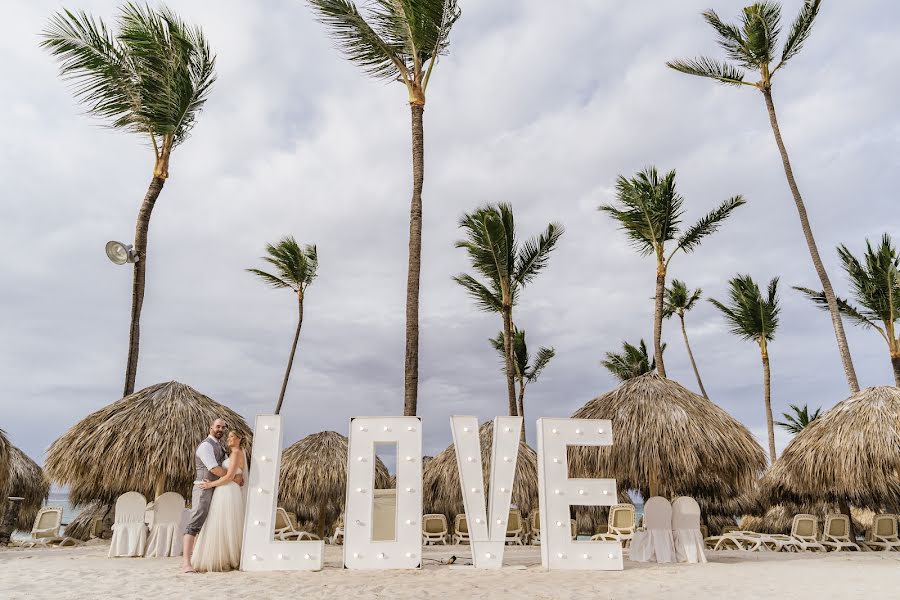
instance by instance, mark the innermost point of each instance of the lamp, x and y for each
(120, 253)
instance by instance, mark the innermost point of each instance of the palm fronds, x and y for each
(295, 266)
(751, 315)
(707, 225)
(632, 362)
(799, 420)
(679, 299)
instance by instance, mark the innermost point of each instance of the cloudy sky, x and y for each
(535, 106)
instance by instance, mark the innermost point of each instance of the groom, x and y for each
(208, 461)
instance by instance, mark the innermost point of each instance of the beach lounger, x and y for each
(460, 530)
(285, 530)
(883, 534)
(45, 531)
(805, 532)
(129, 537)
(620, 527)
(166, 532)
(836, 533)
(338, 536)
(654, 543)
(686, 530)
(535, 521)
(434, 529)
(515, 528)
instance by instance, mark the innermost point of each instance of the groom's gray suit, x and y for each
(201, 498)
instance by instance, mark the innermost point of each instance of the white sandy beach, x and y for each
(86, 573)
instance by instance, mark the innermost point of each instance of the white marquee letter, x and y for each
(487, 543)
(405, 550)
(259, 551)
(558, 493)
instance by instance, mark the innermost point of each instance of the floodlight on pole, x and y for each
(120, 253)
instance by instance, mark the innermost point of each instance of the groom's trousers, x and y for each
(200, 500)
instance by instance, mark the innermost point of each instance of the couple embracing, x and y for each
(212, 539)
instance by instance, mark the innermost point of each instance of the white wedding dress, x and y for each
(218, 546)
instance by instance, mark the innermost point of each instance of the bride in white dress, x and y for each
(218, 546)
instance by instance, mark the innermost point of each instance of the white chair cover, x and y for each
(129, 531)
(686, 530)
(166, 531)
(655, 543)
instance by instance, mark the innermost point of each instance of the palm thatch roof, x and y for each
(441, 492)
(314, 478)
(80, 527)
(140, 443)
(849, 455)
(778, 519)
(662, 430)
(25, 479)
(4, 459)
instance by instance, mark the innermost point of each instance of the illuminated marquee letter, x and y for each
(487, 542)
(558, 492)
(361, 550)
(259, 551)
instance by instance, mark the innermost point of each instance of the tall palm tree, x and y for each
(526, 371)
(399, 40)
(754, 317)
(751, 44)
(876, 286)
(295, 268)
(650, 216)
(632, 362)
(151, 78)
(679, 300)
(799, 420)
(506, 266)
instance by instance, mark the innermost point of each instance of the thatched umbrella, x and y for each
(144, 442)
(441, 492)
(26, 480)
(80, 527)
(4, 460)
(848, 456)
(669, 441)
(314, 478)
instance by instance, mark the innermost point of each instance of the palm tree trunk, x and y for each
(843, 347)
(522, 405)
(510, 366)
(287, 372)
(657, 319)
(845, 510)
(139, 278)
(895, 362)
(653, 484)
(687, 344)
(767, 397)
(320, 525)
(411, 366)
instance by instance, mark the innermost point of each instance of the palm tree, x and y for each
(400, 40)
(507, 266)
(632, 362)
(295, 269)
(752, 45)
(526, 371)
(650, 216)
(678, 300)
(753, 317)
(151, 78)
(876, 286)
(797, 422)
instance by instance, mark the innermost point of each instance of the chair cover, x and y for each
(129, 531)
(655, 543)
(686, 530)
(166, 530)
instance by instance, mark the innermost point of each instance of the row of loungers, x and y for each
(805, 535)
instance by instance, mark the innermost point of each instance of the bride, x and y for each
(218, 546)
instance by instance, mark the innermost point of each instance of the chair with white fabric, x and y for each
(129, 536)
(654, 542)
(166, 533)
(686, 530)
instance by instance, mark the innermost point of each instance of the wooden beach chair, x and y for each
(129, 537)
(836, 533)
(285, 530)
(434, 529)
(514, 527)
(45, 531)
(620, 527)
(883, 534)
(460, 530)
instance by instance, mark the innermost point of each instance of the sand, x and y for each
(85, 572)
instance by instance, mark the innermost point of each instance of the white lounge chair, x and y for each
(686, 530)
(883, 534)
(836, 533)
(620, 526)
(535, 522)
(805, 532)
(460, 530)
(45, 531)
(129, 531)
(654, 542)
(515, 528)
(434, 529)
(286, 530)
(338, 536)
(166, 533)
